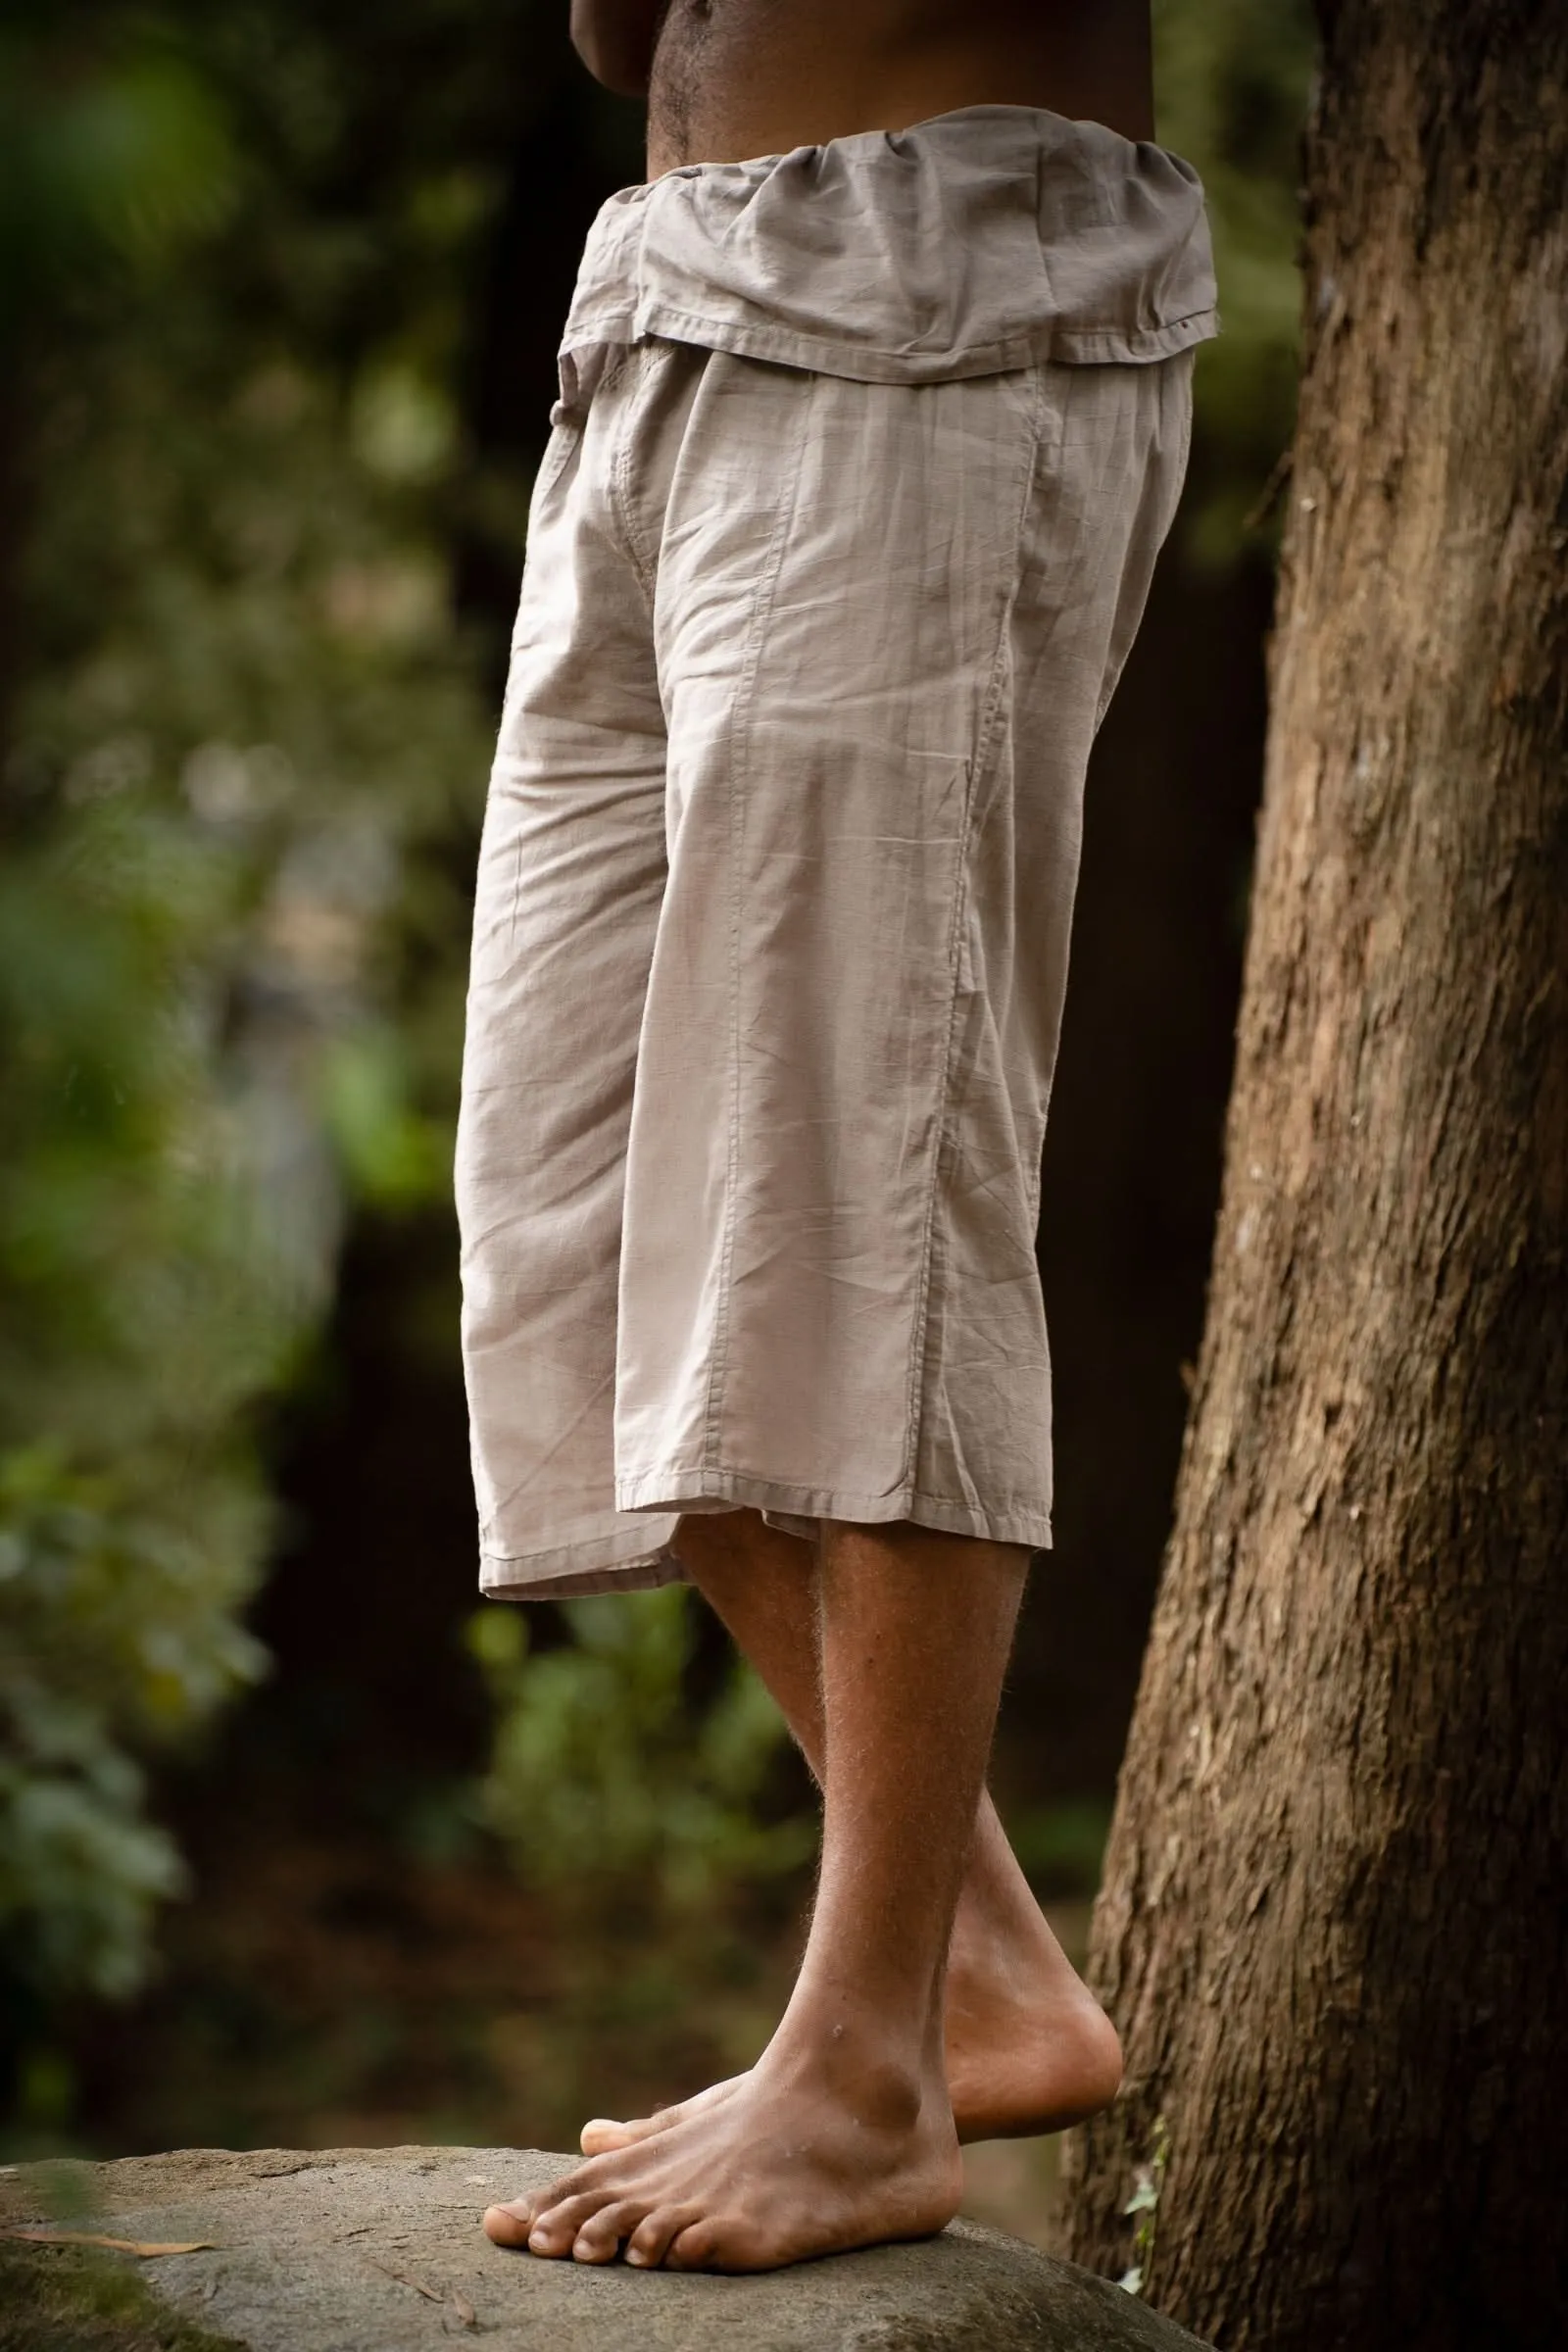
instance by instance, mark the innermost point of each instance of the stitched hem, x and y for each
(688, 1490)
(613, 1558)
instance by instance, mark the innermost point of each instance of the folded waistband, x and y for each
(980, 240)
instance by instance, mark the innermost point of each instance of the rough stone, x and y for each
(380, 2250)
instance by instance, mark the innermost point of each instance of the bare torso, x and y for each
(733, 79)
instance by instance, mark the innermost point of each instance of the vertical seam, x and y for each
(1160, 380)
(735, 773)
(566, 438)
(565, 446)
(985, 737)
(621, 504)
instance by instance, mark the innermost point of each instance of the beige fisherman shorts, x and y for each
(862, 462)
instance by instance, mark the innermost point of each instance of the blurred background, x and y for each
(298, 1843)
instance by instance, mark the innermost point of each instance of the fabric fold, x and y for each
(982, 240)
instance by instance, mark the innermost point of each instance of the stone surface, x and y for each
(380, 2250)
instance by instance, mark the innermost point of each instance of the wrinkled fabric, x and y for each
(782, 837)
(980, 240)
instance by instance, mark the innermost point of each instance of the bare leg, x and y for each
(841, 2135)
(1028, 2048)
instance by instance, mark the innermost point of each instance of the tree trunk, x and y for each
(1334, 1925)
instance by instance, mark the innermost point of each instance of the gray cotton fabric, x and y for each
(862, 458)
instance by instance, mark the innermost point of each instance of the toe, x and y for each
(603, 2134)
(508, 2225)
(692, 2248)
(650, 2242)
(555, 2230)
(608, 2135)
(598, 2239)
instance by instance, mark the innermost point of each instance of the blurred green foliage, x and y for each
(114, 149)
(236, 709)
(1231, 78)
(605, 1775)
(240, 734)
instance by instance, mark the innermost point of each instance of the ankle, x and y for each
(850, 2053)
(880, 2094)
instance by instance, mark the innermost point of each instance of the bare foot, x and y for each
(1029, 2049)
(797, 2160)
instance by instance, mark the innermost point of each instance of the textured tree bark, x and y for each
(1334, 1925)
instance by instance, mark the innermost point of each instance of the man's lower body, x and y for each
(843, 2134)
(769, 953)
